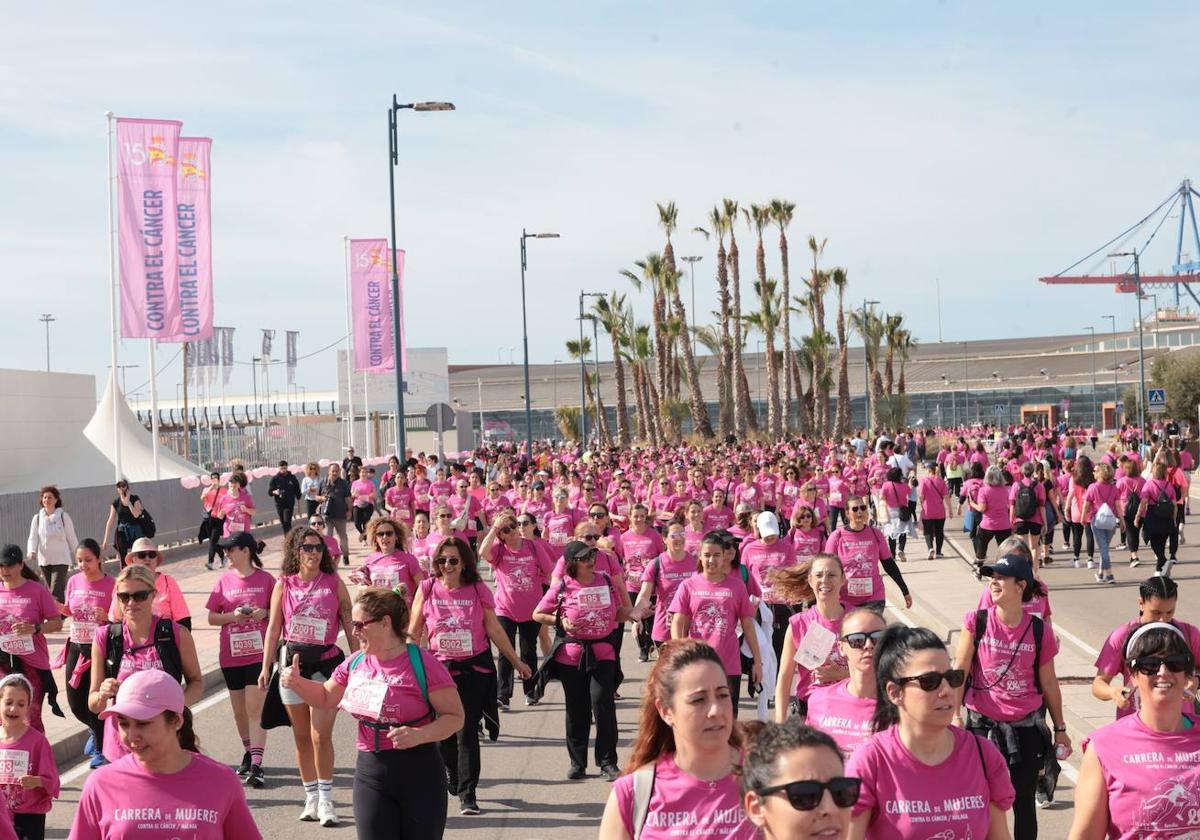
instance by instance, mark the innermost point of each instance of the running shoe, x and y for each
(255, 777)
(467, 806)
(309, 814)
(611, 772)
(531, 701)
(576, 773)
(903, 558)
(325, 813)
(1166, 572)
(98, 760)
(1109, 579)
(89, 749)
(244, 767)
(930, 557)
(643, 656)
(1091, 565)
(1134, 562)
(502, 703)
(209, 564)
(1099, 577)
(1075, 563)
(345, 561)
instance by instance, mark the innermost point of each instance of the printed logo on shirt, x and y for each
(1173, 805)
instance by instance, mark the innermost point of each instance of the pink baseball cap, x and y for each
(144, 695)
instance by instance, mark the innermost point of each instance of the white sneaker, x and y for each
(1099, 577)
(1166, 572)
(930, 554)
(1075, 564)
(1134, 562)
(1091, 565)
(326, 814)
(309, 814)
(903, 559)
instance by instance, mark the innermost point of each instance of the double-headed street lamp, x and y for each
(1137, 288)
(397, 326)
(525, 342)
(1092, 330)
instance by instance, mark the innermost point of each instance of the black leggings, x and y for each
(984, 536)
(588, 693)
(77, 698)
(400, 793)
(1024, 776)
(900, 541)
(30, 826)
(782, 616)
(1158, 544)
(1132, 532)
(645, 627)
(362, 515)
(529, 654)
(1077, 530)
(935, 533)
(216, 527)
(460, 752)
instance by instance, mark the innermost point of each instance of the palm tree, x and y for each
(841, 425)
(759, 217)
(566, 417)
(667, 220)
(892, 326)
(781, 215)
(818, 283)
(608, 312)
(701, 424)
(719, 225)
(904, 347)
(766, 320)
(654, 274)
(871, 327)
(743, 409)
(641, 348)
(579, 351)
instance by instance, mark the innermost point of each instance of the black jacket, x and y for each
(288, 489)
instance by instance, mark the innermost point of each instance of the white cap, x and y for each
(768, 525)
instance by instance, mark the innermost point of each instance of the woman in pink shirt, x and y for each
(991, 503)
(863, 549)
(917, 762)
(1157, 514)
(87, 598)
(164, 788)
(399, 500)
(362, 494)
(687, 748)
(933, 499)
(846, 709)
(1101, 506)
(660, 579)
(1082, 477)
(718, 514)
(821, 662)
(168, 599)
(807, 533)
(642, 544)
(899, 525)
(1139, 776)
(390, 564)
(1130, 486)
(235, 509)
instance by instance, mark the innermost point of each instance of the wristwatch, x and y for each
(1060, 729)
(37, 628)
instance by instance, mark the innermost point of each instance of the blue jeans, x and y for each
(1103, 538)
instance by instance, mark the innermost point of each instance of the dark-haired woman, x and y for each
(687, 749)
(1078, 524)
(163, 787)
(1156, 513)
(457, 612)
(916, 762)
(845, 709)
(1158, 598)
(87, 596)
(52, 541)
(1139, 776)
(402, 715)
(122, 524)
(794, 783)
(309, 604)
(240, 605)
(863, 549)
(27, 613)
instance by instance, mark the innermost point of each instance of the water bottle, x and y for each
(1062, 752)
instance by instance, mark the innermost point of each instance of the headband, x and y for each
(1153, 625)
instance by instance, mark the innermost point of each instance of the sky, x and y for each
(930, 143)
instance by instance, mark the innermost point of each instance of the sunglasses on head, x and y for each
(1151, 665)
(139, 597)
(858, 641)
(807, 795)
(359, 625)
(932, 680)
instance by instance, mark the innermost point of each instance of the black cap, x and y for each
(11, 555)
(578, 550)
(1010, 565)
(242, 539)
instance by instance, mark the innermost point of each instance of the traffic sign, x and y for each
(1156, 400)
(439, 416)
(1000, 409)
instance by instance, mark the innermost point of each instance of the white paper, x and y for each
(815, 647)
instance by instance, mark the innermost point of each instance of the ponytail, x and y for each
(187, 732)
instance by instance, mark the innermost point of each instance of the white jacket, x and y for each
(52, 538)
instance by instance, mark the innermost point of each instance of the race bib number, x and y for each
(387, 578)
(593, 597)
(364, 697)
(13, 765)
(558, 538)
(859, 587)
(16, 644)
(307, 630)
(456, 643)
(814, 648)
(236, 527)
(246, 643)
(83, 632)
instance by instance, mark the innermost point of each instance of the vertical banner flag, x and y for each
(147, 151)
(213, 348)
(226, 334)
(291, 356)
(268, 337)
(194, 222)
(189, 362)
(371, 304)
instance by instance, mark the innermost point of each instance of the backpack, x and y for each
(1039, 628)
(1164, 506)
(164, 644)
(1026, 504)
(643, 789)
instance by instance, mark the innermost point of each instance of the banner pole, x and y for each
(349, 353)
(112, 292)
(370, 444)
(153, 409)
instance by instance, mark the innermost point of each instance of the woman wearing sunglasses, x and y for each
(794, 782)
(807, 532)
(1010, 657)
(399, 501)
(863, 548)
(139, 641)
(309, 604)
(686, 749)
(389, 565)
(810, 655)
(1138, 777)
(845, 709)
(168, 598)
(456, 612)
(916, 761)
(27, 613)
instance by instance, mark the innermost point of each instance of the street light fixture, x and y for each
(525, 342)
(691, 261)
(1137, 287)
(1092, 330)
(1116, 392)
(397, 326)
(866, 370)
(46, 319)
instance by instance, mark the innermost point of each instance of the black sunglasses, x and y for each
(807, 795)
(932, 680)
(145, 555)
(139, 597)
(589, 538)
(310, 548)
(858, 508)
(446, 561)
(1150, 665)
(385, 533)
(597, 514)
(858, 641)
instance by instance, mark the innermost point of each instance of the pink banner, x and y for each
(147, 154)
(194, 223)
(371, 305)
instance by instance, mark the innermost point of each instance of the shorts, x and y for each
(1024, 528)
(239, 677)
(291, 698)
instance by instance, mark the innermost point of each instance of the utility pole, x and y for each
(46, 319)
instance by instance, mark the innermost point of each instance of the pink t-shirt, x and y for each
(400, 501)
(666, 575)
(640, 549)
(860, 553)
(592, 609)
(124, 801)
(1039, 493)
(1111, 660)
(605, 562)
(1152, 778)
(236, 520)
(1002, 675)
(391, 570)
(760, 559)
(1102, 493)
(29, 603)
(717, 518)
(949, 801)
(454, 618)
(242, 641)
(471, 505)
(87, 603)
(310, 610)
(799, 623)
(684, 806)
(995, 516)
(833, 709)
(362, 492)
(31, 747)
(168, 600)
(520, 574)
(807, 543)
(716, 611)
(932, 492)
(144, 658)
(387, 692)
(559, 529)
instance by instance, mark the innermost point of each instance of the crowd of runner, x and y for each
(739, 570)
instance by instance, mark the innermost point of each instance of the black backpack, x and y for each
(1039, 628)
(1026, 503)
(164, 643)
(1163, 507)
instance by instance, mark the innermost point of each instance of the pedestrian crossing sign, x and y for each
(1156, 399)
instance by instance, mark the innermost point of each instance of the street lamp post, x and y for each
(691, 261)
(596, 368)
(257, 412)
(525, 344)
(46, 319)
(397, 325)
(1137, 286)
(583, 373)
(1093, 332)
(1116, 392)
(554, 375)
(866, 370)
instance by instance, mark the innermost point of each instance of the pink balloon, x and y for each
(190, 482)
(323, 463)
(225, 477)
